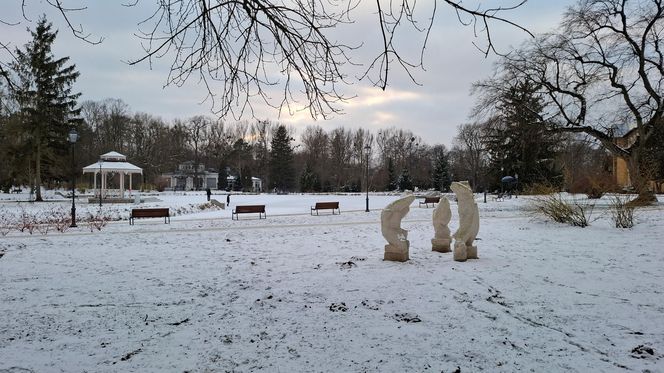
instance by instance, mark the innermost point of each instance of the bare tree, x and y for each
(247, 46)
(601, 74)
(470, 154)
(197, 134)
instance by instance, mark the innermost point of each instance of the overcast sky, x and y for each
(431, 110)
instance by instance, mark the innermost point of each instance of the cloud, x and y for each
(371, 96)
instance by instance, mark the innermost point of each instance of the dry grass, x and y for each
(556, 208)
(622, 212)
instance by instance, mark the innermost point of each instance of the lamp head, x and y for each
(73, 136)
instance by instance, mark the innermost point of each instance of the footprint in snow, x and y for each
(406, 317)
(338, 307)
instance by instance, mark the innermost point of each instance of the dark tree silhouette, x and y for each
(47, 106)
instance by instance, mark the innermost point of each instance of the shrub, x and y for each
(594, 186)
(7, 222)
(540, 189)
(27, 222)
(97, 221)
(559, 210)
(622, 212)
(60, 219)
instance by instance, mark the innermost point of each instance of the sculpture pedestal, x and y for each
(471, 252)
(397, 253)
(460, 252)
(440, 245)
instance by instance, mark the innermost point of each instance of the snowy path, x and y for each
(301, 293)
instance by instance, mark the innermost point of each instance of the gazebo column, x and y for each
(95, 182)
(129, 184)
(122, 186)
(103, 184)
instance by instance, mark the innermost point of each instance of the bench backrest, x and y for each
(431, 199)
(150, 213)
(249, 208)
(326, 205)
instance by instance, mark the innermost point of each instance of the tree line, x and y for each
(549, 115)
(38, 111)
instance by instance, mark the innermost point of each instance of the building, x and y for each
(256, 184)
(620, 168)
(108, 166)
(190, 177)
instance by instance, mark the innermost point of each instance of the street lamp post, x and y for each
(367, 149)
(73, 136)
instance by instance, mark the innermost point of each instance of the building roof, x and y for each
(105, 166)
(113, 156)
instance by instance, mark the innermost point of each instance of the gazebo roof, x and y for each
(113, 156)
(105, 166)
(113, 162)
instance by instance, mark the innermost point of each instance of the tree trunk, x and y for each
(640, 181)
(38, 180)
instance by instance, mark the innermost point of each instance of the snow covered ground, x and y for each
(301, 293)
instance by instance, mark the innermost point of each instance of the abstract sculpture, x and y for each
(441, 218)
(469, 222)
(390, 226)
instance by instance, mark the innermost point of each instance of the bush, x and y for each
(540, 189)
(7, 221)
(622, 212)
(559, 210)
(594, 186)
(97, 221)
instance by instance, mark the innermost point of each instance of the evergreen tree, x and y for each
(309, 180)
(223, 178)
(47, 105)
(405, 183)
(282, 173)
(391, 176)
(440, 177)
(246, 184)
(516, 140)
(241, 156)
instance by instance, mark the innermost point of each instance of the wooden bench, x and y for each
(325, 206)
(430, 200)
(150, 213)
(249, 209)
(17, 190)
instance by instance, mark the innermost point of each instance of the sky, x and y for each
(432, 108)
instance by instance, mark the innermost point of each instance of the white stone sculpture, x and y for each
(390, 226)
(469, 222)
(441, 217)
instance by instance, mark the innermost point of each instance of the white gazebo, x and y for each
(112, 162)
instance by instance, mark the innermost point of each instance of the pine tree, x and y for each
(309, 181)
(48, 108)
(241, 157)
(440, 177)
(405, 183)
(282, 173)
(516, 140)
(391, 176)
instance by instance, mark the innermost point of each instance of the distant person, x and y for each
(228, 199)
(209, 193)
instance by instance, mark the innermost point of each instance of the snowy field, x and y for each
(301, 293)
